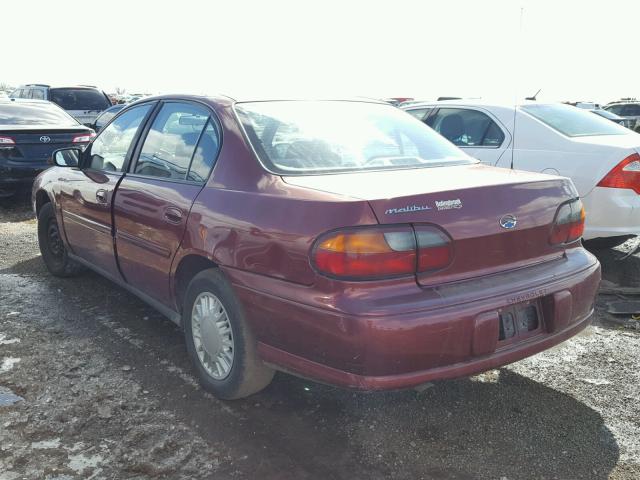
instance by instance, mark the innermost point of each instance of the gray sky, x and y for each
(572, 50)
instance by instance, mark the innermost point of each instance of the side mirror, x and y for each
(67, 157)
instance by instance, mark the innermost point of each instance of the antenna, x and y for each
(515, 99)
(534, 97)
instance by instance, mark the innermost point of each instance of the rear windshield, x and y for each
(79, 99)
(605, 114)
(574, 122)
(308, 137)
(45, 113)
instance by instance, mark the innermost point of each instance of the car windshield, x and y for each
(45, 113)
(311, 137)
(79, 99)
(572, 121)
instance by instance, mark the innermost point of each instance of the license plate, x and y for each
(519, 321)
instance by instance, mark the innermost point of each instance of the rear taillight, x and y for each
(381, 251)
(624, 175)
(435, 249)
(568, 225)
(84, 138)
(7, 142)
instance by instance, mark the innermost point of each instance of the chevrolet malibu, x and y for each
(342, 241)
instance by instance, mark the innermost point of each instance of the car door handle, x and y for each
(173, 215)
(101, 196)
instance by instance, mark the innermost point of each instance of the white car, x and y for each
(601, 157)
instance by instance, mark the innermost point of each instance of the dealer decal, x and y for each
(541, 292)
(448, 204)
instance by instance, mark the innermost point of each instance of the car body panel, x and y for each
(85, 199)
(150, 216)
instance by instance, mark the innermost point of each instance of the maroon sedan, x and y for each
(343, 241)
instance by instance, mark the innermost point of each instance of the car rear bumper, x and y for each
(16, 173)
(611, 212)
(415, 335)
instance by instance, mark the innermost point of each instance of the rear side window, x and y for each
(466, 127)
(171, 143)
(109, 149)
(79, 98)
(205, 154)
(37, 94)
(572, 121)
(34, 113)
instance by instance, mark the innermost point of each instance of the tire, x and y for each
(52, 248)
(606, 242)
(223, 352)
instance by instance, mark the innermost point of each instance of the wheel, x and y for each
(219, 340)
(52, 248)
(606, 242)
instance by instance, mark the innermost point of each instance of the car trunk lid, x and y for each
(473, 203)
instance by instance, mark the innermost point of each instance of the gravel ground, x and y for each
(96, 385)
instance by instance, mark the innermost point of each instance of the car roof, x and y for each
(222, 99)
(88, 87)
(24, 101)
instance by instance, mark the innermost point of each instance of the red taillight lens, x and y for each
(568, 225)
(379, 252)
(624, 175)
(84, 138)
(435, 248)
(370, 252)
(6, 141)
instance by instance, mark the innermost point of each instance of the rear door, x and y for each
(87, 194)
(154, 199)
(474, 131)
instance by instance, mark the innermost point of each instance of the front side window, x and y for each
(632, 110)
(109, 149)
(572, 121)
(466, 127)
(171, 143)
(315, 137)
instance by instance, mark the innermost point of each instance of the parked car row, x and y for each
(344, 241)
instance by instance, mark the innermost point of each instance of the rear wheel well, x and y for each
(189, 267)
(41, 199)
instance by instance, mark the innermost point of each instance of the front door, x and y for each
(154, 199)
(87, 195)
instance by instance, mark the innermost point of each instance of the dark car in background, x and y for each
(106, 116)
(30, 130)
(83, 102)
(343, 241)
(628, 108)
(625, 122)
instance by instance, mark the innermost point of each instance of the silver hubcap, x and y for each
(212, 335)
